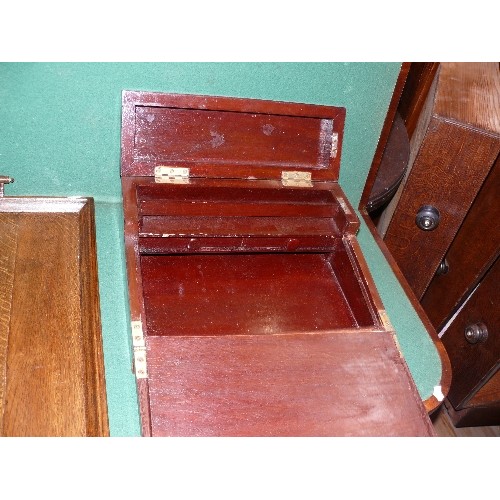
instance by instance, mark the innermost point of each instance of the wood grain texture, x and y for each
(392, 167)
(254, 342)
(444, 427)
(470, 94)
(8, 246)
(474, 364)
(451, 166)
(54, 367)
(384, 136)
(225, 137)
(417, 87)
(291, 385)
(470, 255)
(476, 417)
(489, 393)
(432, 403)
(451, 155)
(416, 140)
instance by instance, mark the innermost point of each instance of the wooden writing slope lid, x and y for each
(226, 137)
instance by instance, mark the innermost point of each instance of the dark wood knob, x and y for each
(476, 333)
(443, 268)
(427, 218)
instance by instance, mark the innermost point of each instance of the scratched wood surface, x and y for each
(223, 137)
(256, 294)
(332, 384)
(476, 99)
(52, 381)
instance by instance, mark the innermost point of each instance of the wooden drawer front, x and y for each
(473, 364)
(447, 174)
(469, 256)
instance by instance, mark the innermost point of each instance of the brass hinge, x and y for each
(137, 335)
(140, 363)
(173, 175)
(297, 179)
(335, 145)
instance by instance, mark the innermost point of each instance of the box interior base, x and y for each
(244, 294)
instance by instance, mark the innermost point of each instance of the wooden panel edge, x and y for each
(134, 289)
(384, 135)
(95, 382)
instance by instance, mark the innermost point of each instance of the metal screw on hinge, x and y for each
(476, 333)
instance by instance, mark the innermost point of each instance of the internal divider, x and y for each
(188, 218)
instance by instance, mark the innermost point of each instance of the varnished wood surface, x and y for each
(247, 343)
(225, 137)
(417, 86)
(416, 140)
(237, 226)
(448, 173)
(489, 392)
(470, 255)
(252, 294)
(473, 364)
(475, 415)
(392, 167)
(189, 136)
(470, 94)
(384, 135)
(431, 403)
(51, 350)
(453, 153)
(342, 384)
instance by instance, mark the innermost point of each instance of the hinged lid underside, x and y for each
(224, 137)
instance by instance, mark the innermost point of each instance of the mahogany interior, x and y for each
(243, 294)
(245, 261)
(191, 218)
(222, 137)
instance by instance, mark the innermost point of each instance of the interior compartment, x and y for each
(239, 260)
(247, 294)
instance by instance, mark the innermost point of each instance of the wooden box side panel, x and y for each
(93, 353)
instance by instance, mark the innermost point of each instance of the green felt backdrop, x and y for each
(60, 135)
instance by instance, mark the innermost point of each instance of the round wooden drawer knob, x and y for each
(476, 333)
(427, 218)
